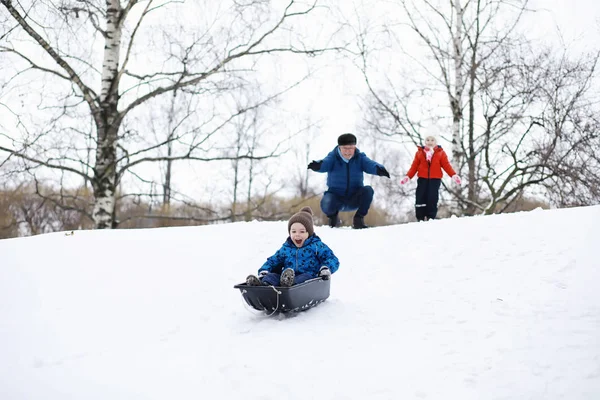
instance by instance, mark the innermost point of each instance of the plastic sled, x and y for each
(299, 297)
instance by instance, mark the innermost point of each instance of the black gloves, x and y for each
(325, 273)
(381, 171)
(315, 165)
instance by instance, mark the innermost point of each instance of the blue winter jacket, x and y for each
(345, 178)
(306, 259)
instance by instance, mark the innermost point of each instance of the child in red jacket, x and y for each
(428, 164)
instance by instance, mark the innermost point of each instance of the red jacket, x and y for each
(433, 169)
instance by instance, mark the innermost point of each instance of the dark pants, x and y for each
(361, 200)
(428, 193)
(273, 279)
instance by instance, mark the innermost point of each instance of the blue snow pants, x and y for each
(360, 200)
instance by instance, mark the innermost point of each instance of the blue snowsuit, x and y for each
(306, 261)
(346, 190)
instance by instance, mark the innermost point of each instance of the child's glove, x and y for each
(263, 273)
(456, 179)
(325, 273)
(404, 180)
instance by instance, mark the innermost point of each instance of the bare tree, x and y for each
(511, 102)
(461, 38)
(138, 64)
(245, 142)
(302, 152)
(568, 150)
(531, 103)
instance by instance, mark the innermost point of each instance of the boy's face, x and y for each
(430, 141)
(347, 151)
(298, 233)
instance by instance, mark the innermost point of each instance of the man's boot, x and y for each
(334, 221)
(359, 222)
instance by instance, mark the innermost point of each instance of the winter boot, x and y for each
(359, 222)
(287, 277)
(252, 280)
(334, 221)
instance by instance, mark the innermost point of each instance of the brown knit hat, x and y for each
(305, 217)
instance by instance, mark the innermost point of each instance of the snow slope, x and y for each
(498, 307)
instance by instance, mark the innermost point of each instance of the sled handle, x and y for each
(276, 306)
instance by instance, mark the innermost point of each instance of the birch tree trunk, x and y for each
(104, 181)
(456, 105)
(171, 134)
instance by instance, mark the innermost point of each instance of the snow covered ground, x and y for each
(499, 307)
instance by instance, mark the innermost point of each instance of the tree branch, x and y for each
(45, 163)
(88, 94)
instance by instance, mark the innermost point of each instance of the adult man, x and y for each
(345, 166)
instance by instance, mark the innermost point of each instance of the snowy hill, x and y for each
(499, 307)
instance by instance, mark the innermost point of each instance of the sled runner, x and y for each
(299, 297)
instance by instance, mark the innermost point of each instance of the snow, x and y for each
(497, 307)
